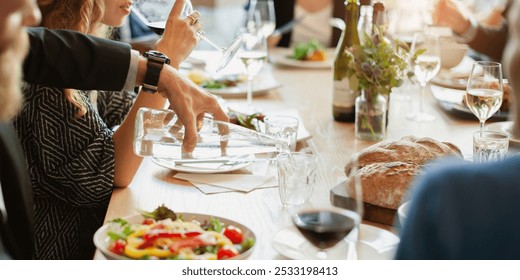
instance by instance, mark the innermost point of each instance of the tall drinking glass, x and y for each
(485, 90)
(154, 14)
(426, 66)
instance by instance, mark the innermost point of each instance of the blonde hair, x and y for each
(84, 16)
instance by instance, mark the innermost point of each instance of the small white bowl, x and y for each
(452, 54)
(402, 212)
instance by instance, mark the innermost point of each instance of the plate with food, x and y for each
(305, 55)
(163, 234)
(453, 101)
(233, 85)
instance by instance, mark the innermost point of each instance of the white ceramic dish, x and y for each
(202, 168)
(101, 239)
(284, 59)
(374, 244)
(505, 127)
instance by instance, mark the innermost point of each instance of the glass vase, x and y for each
(371, 114)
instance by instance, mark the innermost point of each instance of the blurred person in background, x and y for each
(313, 18)
(73, 157)
(489, 40)
(469, 211)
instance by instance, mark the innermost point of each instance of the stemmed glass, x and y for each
(261, 15)
(426, 66)
(326, 227)
(253, 54)
(485, 90)
(154, 14)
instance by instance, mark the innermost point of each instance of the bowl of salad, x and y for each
(165, 235)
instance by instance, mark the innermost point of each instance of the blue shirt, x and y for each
(465, 211)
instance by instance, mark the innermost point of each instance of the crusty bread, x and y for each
(386, 169)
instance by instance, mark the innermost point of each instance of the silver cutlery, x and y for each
(286, 28)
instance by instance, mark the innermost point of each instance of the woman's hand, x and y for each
(180, 34)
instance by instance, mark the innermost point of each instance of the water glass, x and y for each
(282, 127)
(296, 177)
(489, 146)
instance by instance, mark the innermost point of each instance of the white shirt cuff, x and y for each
(471, 32)
(132, 71)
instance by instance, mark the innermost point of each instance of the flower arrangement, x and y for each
(375, 67)
(378, 64)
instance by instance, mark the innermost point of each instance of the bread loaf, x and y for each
(386, 169)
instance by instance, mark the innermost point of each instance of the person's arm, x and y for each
(68, 59)
(490, 41)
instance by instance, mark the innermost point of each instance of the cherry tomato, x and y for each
(119, 247)
(225, 254)
(234, 234)
(148, 221)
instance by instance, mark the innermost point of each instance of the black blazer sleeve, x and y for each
(68, 59)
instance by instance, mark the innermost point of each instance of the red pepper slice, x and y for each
(225, 254)
(234, 234)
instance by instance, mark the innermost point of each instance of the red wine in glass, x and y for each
(324, 228)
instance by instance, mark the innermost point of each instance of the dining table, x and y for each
(309, 91)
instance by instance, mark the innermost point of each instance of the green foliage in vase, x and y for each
(378, 65)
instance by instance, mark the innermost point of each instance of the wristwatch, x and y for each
(155, 63)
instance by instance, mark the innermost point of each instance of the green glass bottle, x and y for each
(343, 98)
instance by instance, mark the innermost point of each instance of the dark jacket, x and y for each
(62, 59)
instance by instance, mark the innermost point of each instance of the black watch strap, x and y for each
(155, 63)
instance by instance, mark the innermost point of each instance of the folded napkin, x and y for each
(218, 183)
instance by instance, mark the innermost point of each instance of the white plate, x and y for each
(505, 127)
(284, 58)
(202, 168)
(262, 85)
(102, 241)
(374, 244)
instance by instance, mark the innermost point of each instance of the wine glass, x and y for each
(253, 54)
(426, 65)
(485, 90)
(326, 227)
(154, 14)
(261, 15)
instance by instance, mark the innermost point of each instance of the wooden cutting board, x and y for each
(373, 213)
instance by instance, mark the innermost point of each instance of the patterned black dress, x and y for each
(71, 164)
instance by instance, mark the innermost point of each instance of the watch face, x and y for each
(157, 56)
